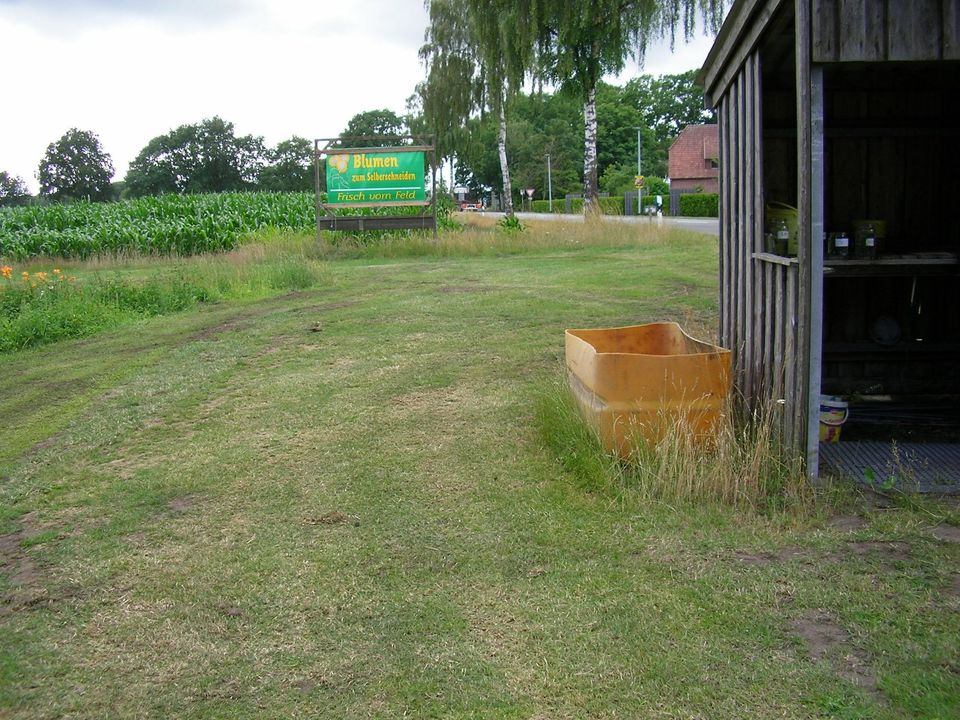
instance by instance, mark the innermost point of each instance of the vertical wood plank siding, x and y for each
(951, 30)
(745, 183)
(876, 30)
(758, 298)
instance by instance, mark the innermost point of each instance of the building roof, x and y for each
(691, 150)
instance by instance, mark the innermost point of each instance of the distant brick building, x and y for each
(693, 160)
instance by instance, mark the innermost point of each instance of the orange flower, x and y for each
(25, 276)
(41, 276)
(6, 271)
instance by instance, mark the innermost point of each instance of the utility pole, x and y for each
(549, 185)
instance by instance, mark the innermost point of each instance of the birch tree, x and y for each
(580, 41)
(474, 63)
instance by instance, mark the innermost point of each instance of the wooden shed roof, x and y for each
(842, 31)
(739, 35)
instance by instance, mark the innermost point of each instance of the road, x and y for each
(707, 226)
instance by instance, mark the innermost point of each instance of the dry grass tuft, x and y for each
(743, 465)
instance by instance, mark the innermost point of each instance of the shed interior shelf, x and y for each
(838, 349)
(934, 263)
(867, 132)
(938, 263)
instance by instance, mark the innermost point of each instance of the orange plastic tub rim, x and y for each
(635, 383)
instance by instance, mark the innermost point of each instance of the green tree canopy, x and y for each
(75, 167)
(581, 41)
(668, 103)
(205, 157)
(476, 54)
(453, 88)
(382, 128)
(539, 124)
(290, 167)
(13, 190)
(552, 123)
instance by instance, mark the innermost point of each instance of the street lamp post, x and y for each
(549, 185)
(639, 172)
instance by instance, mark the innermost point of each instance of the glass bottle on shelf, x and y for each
(870, 243)
(841, 246)
(782, 237)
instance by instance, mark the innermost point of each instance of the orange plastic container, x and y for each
(635, 383)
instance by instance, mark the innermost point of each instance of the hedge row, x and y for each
(691, 205)
(543, 206)
(700, 205)
(608, 206)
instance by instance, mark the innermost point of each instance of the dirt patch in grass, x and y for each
(847, 523)
(212, 333)
(334, 517)
(231, 611)
(183, 503)
(19, 569)
(953, 590)
(891, 551)
(826, 640)
(15, 564)
(947, 533)
(887, 550)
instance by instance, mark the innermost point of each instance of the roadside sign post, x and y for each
(639, 182)
(361, 177)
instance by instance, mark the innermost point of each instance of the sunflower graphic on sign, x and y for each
(337, 171)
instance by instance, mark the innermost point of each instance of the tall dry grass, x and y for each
(742, 464)
(478, 236)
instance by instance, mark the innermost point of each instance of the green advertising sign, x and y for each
(376, 178)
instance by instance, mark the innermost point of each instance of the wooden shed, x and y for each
(846, 111)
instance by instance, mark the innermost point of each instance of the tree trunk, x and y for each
(504, 168)
(591, 202)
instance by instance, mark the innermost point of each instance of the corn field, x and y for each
(165, 225)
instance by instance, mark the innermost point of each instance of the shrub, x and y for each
(651, 201)
(608, 205)
(656, 186)
(700, 205)
(611, 205)
(510, 223)
(543, 206)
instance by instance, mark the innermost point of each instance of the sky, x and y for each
(130, 70)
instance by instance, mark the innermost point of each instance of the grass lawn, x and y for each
(336, 502)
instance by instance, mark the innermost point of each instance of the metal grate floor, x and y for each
(917, 467)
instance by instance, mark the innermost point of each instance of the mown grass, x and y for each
(339, 503)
